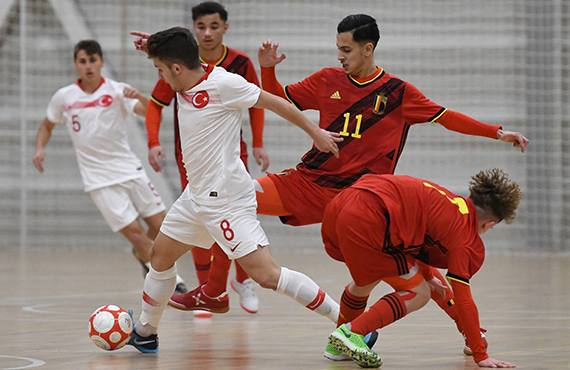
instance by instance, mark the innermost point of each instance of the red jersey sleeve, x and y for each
(256, 115)
(417, 108)
(463, 124)
(270, 84)
(305, 94)
(152, 122)
(468, 317)
(161, 96)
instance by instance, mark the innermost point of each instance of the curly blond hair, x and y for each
(493, 192)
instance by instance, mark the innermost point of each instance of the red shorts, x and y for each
(355, 231)
(305, 200)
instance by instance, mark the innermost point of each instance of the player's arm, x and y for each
(268, 59)
(461, 123)
(42, 138)
(324, 140)
(152, 122)
(140, 107)
(469, 319)
(256, 121)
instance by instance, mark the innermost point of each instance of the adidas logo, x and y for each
(336, 95)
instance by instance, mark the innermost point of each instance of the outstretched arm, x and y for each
(324, 140)
(42, 138)
(461, 123)
(141, 41)
(518, 140)
(268, 59)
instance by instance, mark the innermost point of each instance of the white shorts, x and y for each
(233, 226)
(121, 204)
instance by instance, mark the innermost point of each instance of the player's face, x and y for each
(351, 54)
(166, 73)
(210, 31)
(88, 66)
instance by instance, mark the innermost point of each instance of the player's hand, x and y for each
(491, 362)
(261, 158)
(153, 154)
(130, 92)
(325, 141)
(141, 42)
(267, 55)
(38, 159)
(518, 140)
(436, 284)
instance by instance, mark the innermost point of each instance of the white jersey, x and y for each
(209, 116)
(97, 124)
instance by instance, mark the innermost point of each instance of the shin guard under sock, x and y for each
(305, 291)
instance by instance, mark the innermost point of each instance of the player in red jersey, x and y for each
(372, 110)
(210, 25)
(382, 224)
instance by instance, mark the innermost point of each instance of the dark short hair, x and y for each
(363, 27)
(175, 45)
(91, 47)
(209, 7)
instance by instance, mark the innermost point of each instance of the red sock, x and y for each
(351, 307)
(388, 309)
(202, 258)
(241, 275)
(445, 304)
(219, 270)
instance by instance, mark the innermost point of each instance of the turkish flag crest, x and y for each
(200, 99)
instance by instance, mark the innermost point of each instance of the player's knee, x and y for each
(266, 278)
(422, 294)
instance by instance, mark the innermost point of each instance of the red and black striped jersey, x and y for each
(430, 223)
(373, 115)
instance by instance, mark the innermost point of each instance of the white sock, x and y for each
(305, 291)
(158, 288)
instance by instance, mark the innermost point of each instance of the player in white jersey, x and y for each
(219, 202)
(95, 111)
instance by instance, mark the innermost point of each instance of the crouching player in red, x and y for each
(384, 227)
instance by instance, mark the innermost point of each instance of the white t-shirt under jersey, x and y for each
(97, 124)
(209, 116)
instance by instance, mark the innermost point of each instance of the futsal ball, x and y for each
(110, 327)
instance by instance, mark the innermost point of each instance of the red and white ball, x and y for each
(110, 327)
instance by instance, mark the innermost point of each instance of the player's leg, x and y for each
(159, 285)
(115, 204)
(151, 208)
(243, 285)
(349, 337)
(352, 233)
(268, 202)
(263, 269)
(180, 231)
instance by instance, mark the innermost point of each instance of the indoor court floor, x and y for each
(48, 294)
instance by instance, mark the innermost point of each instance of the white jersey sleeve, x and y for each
(56, 107)
(237, 93)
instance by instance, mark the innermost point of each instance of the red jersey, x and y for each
(422, 220)
(430, 223)
(372, 115)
